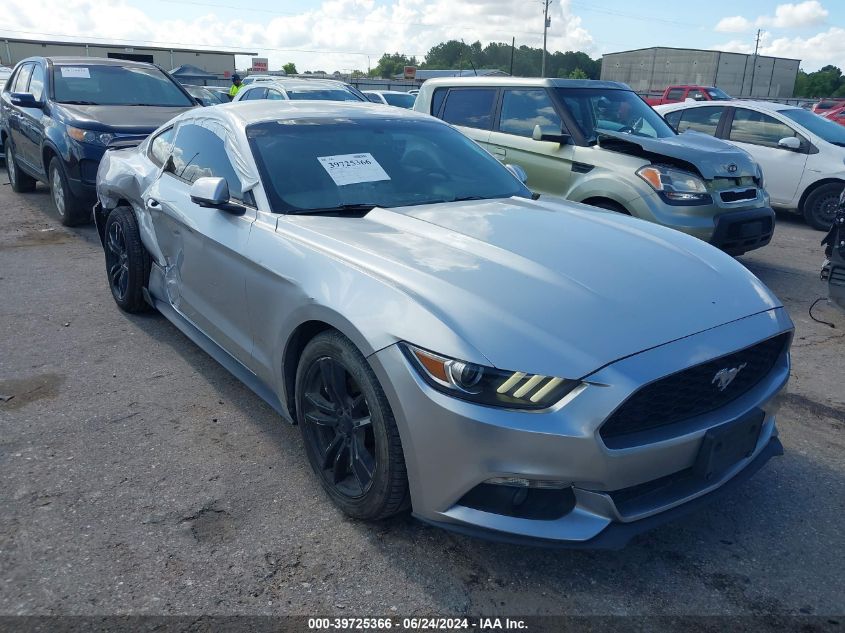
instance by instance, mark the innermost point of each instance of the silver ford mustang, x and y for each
(520, 369)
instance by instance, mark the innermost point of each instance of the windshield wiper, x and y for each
(465, 198)
(341, 208)
(79, 102)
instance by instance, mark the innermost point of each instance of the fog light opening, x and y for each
(522, 498)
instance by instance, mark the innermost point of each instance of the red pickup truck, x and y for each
(674, 94)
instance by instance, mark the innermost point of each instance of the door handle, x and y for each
(500, 152)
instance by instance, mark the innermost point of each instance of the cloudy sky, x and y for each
(349, 34)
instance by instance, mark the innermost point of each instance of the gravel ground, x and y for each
(139, 477)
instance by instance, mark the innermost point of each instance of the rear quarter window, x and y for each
(470, 107)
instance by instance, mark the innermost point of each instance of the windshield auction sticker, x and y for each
(77, 72)
(350, 169)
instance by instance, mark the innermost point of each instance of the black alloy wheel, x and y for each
(339, 427)
(117, 261)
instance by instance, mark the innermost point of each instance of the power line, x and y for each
(632, 16)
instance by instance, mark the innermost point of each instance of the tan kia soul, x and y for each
(599, 143)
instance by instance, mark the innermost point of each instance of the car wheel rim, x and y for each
(825, 209)
(339, 428)
(58, 191)
(117, 261)
(10, 164)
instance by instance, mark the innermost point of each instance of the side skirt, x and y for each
(220, 355)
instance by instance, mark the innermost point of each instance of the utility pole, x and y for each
(546, 25)
(513, 45)
(754, 62)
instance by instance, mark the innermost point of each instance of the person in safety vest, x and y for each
(236, 85)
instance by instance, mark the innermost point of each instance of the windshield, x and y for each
(717, 95)
(596, 110)
(317, 94)
(402, 101)
(823, 128)
(330, 163)
(115, 85)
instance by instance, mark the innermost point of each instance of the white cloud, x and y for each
(734, 24)
(827, 47)
(352, 28)
(787, 16)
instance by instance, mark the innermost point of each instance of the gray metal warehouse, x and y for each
(219, 63)
(650, 70)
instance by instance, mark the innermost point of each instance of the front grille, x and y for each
(693, 391)
(738, 195)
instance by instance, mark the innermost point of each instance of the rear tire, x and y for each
(127, 261)
(820, 206)
(348, 429)
(21, 182)
(71, 210)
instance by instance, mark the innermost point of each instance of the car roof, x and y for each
(764, 106)
(526, 81)
(385, 92)
(94, 61)
(242, 113)
(296, 83)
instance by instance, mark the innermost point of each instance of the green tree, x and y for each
(290, 68)
(578, 74)
(389, 65)
(825, 82)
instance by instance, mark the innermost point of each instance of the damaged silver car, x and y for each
(512, 368)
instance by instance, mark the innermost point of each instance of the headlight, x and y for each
(761, 181)
(677, 185)
(89, 136)
(487, 385)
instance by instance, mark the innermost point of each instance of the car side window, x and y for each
(704, 120)
(695, 94)
(256, 93)
(470, 107)
(22, 80)
(673, 118)
(36, 83)
(161, 146)
(198, 153)
(437, 100)
(523, 109)
(756, 128)
(274, 95)
(675, 94)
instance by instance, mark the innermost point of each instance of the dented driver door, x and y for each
(204, 248)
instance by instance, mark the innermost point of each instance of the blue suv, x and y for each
(58, 116)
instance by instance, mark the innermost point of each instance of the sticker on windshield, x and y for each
(350, 169)
(77, 72)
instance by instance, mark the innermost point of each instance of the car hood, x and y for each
(122, 119)
(712, 157)
(545, 286)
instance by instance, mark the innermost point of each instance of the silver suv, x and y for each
(599, 143)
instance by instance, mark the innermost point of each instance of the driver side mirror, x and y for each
(790, 142)
(539, 135)
(210, 192)
(24, 100)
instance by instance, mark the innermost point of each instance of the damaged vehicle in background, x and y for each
(507, 367)
(58, 116)
(833, 270)
(598, 143)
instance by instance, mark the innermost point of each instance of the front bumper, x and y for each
(452, 446)
(734, 227)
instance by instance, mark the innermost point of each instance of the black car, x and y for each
(58, 115)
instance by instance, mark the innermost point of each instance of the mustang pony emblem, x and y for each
(726, 376)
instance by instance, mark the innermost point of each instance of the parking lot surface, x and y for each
(139, 477)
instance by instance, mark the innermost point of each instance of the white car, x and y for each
(802, 154)
(391, 97)
(283, 89)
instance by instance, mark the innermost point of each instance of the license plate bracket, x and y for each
(725, 445)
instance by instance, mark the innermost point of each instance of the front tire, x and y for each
(820, 206)
(21, 182)
(348, 429)
(71, 209)
(127, 261)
